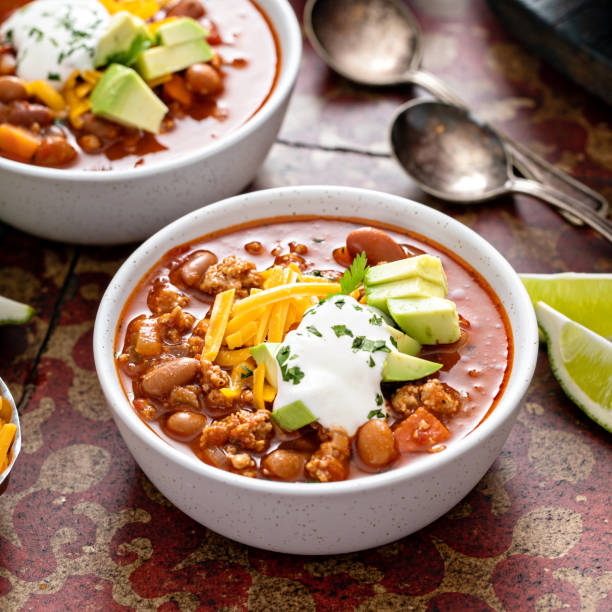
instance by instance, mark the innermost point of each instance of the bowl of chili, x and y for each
(73, 174)
(237, 473)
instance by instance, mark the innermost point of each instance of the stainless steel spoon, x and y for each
(378, 42)
(452, 155)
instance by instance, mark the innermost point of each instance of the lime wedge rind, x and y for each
(13, 312)
(583, 297)
(581, 361)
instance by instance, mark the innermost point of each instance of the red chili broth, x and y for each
(479, 369)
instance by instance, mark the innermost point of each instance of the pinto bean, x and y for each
(187, 8)
(195, 267)
(8, 63)
(24, 113)
(104, 130)
(54, 151)
(283, 464)
(90, 143)
(203, 79)
(159, 381)
(375, 443)
(378, 245)
(12, 88)
(185, 425)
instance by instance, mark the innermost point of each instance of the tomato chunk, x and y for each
(419, 432)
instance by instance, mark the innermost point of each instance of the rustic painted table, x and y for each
(81, 527)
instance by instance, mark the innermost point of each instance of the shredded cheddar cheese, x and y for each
(218, 322)
(145, 9)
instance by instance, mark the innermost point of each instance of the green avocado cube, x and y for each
(266, 353)
(122, 96)
(161, 60)
(427, 267)
(403, 342)
(180, 31)
(400, 367)
(409, 287)
(126, 35)
(429, 320)
(293, 416)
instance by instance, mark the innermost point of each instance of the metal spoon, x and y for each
(378, 42)
(452, 155)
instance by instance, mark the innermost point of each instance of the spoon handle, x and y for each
(564, 202)
(529, 164)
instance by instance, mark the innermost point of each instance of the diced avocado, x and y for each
(127, 35)
(404, 343)
(409, 287)
(266, 353)
(180, 31)
(122, 96)
(430, 320)
(293, 416)
(161, 60)
(399, 366)
(427, 267)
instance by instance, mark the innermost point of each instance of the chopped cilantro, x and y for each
(361, 343)
(247, 372)
(318, 240)
(376, 414)
(341, 330)
(36, 34)
(357, 307)
(371, 362)
(379, 399)
(139, 44)
(375, 320)
(313, 330)
(393, 341)
(317, 273)
(339, 304)
(293, 374)
(354, 276)
(53, 76)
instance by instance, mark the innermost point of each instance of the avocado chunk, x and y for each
(164, 59)
(122, 96)
(404, 343)
(266, 353)
(126, 37)
(409, 287)
(430, 320)
(426, 267)
(180, 31)
(293, 416)
(399, 367)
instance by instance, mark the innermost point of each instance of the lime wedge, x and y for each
(14, 312)
(584, 298)
(581, 361)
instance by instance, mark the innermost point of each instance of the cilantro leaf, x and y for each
(379, 399)
(313, 330)
(247, 372)
(341, 330)
(139, 44)
(371, 362)
(353, 277)
(376, 414)
(375, 320)
(361, 343)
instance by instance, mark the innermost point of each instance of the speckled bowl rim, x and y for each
(285, 23)
(193, 225)
(17, 442)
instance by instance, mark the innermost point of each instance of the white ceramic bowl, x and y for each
(4, 391)
(117, 206)
(328, 517)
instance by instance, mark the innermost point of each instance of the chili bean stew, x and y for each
(57, 86)
(255, 349)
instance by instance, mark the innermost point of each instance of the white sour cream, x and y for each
(55, 37)
(340, 384)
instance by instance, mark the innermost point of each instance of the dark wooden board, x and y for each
(573, 35)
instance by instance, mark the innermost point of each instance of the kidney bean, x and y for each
(203, 79)
(12, 88)
(375, 443)
(253, 248)
(296, 247)
(24, 113)
(159, 381)
(378, 245)
(90, 143)
(105, 130)
(54, 151)
(187, 8)
(185, 425)
(8, 63)
(283, 464)
(195, 267)
(287, 258)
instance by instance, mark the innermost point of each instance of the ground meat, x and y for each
(331, 461)
(185, 397)
(241, 462)
(249, 430)
(162, 298)
(172, 325)
(232, 272)
(433, 395)
(213, 376)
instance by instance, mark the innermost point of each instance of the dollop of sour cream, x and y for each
(53, 38)
(333, 363)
